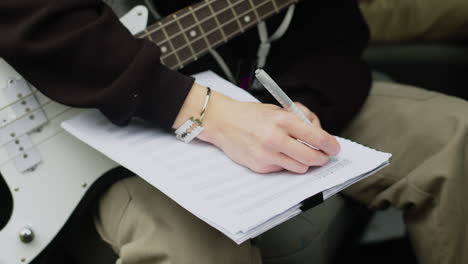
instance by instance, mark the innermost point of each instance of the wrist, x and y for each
(213, 116)
(192, 105)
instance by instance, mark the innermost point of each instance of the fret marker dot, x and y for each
(193, 33)
(247, 19)
(163, 49)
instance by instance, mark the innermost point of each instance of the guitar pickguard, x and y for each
(46, 171)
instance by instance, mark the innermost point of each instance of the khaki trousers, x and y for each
(426, 132)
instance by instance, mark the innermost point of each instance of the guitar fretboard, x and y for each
(191, 32)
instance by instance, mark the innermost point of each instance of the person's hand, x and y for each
(309, 114)
(261, 137)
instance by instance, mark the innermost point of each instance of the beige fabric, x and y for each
(427, 134)
(146, 227)
(404, 20)
(428, 177)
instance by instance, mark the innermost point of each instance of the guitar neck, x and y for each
(188, 34)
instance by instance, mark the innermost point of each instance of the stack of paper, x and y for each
(236, 201)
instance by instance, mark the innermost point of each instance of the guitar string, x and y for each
(35, 91)
(10, 122)
(235, 12)
(199, 22)
(159, 25)
(205, 49)
(17, 100)
(68, 109)
(12, 158)
(162, 57)
(30, 112)
(209, 45)
(213, 15)
(23, 98)
(200, 37)
(185, 30)
(41, 105)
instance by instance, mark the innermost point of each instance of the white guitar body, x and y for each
(47, 170)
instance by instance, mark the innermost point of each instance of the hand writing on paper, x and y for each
(309, 114)
(262, 137)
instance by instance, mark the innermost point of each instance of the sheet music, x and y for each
(198, 176)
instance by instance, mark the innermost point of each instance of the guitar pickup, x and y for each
(20, 114)
(23, 153)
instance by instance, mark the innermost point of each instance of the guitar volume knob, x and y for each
(26, 235)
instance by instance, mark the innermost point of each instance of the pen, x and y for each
(282, 98)
(279, 94)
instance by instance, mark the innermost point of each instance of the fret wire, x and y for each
(219, 42)
(172, 46)
(205, 19)
(149, 36)
(189, 44)
(264, 5)
(68, 109)
(208, 33)
(271, 13)
(235, 15)
(254, 7)
(199, 23)
(276, 6)
(206, 50)
(214, 15)
(217, 20)
(212, 31)
(172, 21)
(202, 31)
(207, 2)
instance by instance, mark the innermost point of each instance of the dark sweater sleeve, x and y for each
(79, 54)
(319, 61)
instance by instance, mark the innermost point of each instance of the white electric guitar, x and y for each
(48, 171)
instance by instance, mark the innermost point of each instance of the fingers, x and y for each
(309, 114)
(292, 155)
(288, 163)
(267, 169)
(312, 135)
(296, 158)
(304, 154)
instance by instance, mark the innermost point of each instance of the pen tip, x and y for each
(257, 71)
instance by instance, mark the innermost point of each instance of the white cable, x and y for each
(264, 47)
(265, 41)
(223, 65)
(213, 53)
(284, 24)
